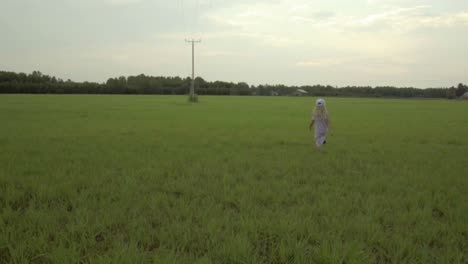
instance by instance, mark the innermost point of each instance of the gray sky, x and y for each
(421, 43)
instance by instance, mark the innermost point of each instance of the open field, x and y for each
(132, 179)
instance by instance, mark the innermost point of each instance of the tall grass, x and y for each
(133, 179)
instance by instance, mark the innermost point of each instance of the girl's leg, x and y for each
(319, 142)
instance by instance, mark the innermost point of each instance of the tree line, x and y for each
(38, 83)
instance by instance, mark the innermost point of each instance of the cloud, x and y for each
(277, 24)
(121, 2)
(327, 62)
(395, 2)
(397, 20)
(408, 19)
(369, 63)
(220, 54)
(263, 17)
(391, 15)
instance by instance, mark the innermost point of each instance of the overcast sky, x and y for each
(421, 43)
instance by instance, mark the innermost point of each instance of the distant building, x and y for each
(465, 96)
(274, 93)
(300, 92)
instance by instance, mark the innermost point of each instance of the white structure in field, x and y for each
(300, 92)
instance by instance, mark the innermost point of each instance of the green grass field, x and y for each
(141, 179)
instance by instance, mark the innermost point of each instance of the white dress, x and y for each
(321, 128)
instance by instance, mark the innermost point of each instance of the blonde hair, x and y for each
(320, 112)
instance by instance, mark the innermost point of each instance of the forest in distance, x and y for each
(39, 83)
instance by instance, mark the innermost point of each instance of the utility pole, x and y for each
(192, 96)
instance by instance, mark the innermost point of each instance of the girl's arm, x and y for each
(311, 124)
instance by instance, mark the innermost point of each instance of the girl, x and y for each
(322, 123)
